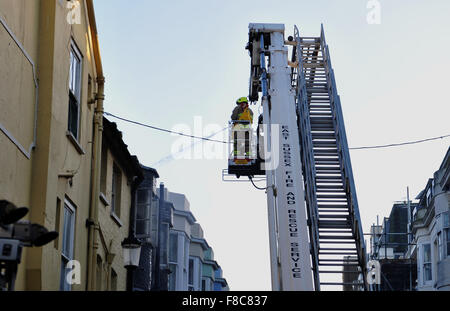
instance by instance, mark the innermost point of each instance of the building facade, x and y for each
(147, 219)
(179, 242)
(191, 259)
(118, 170)
(51, 133)
(431, 231)
(220, 284)
(389, 244)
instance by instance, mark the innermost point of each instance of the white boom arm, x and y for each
(288, 232)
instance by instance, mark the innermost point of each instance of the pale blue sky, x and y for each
(168, 61)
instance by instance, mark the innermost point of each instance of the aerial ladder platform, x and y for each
(315, 231)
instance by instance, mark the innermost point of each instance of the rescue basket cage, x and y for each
(243, 150)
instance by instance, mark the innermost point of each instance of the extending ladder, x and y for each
(337, 242)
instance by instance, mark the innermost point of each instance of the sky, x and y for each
(182, 65)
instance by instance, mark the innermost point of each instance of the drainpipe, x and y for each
(95, 185)
(92, 222)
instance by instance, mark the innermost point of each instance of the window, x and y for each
(116, 191)
(172, 277)
(440, 246)
(173, 258)
(67, 244)
(113, 280)
(163, 243)
(427, 276)
(191, 275)
(173, 248)
(150, 264)
(57, 219)
(186, 254)
(203, 285)
(104, 168)
(447, 235)
(143, 213)
(74, 91)
(206, 284)
(99, 273)
(428, 198)
(446, 226)
(154, 219)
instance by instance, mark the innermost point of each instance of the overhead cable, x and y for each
(225, 142)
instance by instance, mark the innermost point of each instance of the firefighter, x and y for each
(244, 114)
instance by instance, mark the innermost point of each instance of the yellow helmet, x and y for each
(241, 100)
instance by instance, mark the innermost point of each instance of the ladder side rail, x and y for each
(307, 159)
(345, 155)
(294, 246)
(271, 208)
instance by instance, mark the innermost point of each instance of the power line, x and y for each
(165, 130)
(401, 144)
(171, 156)
(225, 142)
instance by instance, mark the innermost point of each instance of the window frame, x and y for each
(143, 213)
(173, 260)
(191, 276)
(447, 242)
(75, 86)
(67, 257)
(173, 276)
(427, 265)
(116, 191)
(440, 246)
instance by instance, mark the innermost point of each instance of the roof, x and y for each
(150, 169)
(446, 161)
(200, 241)
(112, 138)
(188, 215)
(421, 195)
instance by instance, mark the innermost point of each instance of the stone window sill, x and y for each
(75, 143)
(103, 198)
(116, 219)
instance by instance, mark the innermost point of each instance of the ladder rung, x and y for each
(328, 177)
(329, 181)
(324, 216)
(346, 283)
(343, 207)
(337, 249)
(336, 237)
(339, 271)
(339, 265)
(330, 190)
(332, 196)
(330, 187)
(332, 210)
(325, 152)
(337, 253)
(334, 226)
(340, 260)
(337, 242)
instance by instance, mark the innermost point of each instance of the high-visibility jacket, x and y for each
(246, 115)
(242, 114)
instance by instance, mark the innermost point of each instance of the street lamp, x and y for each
(131, 254)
